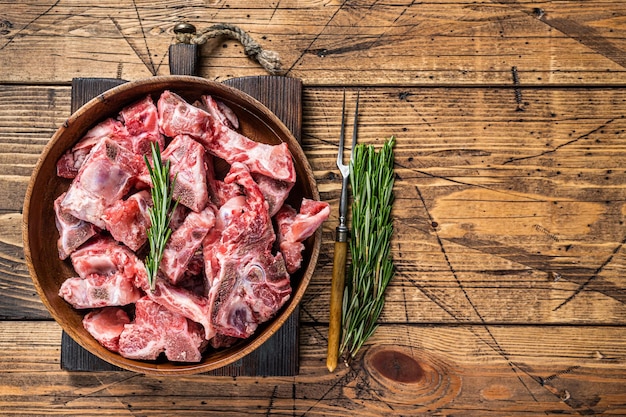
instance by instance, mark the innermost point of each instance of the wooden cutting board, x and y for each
(279, 355)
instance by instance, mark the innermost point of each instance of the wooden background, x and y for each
(509, 220)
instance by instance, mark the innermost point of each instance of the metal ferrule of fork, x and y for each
(342, 231)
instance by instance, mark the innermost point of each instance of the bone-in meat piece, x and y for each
(128, 220)
(106, 326)
(157, 329)
(294, 228)
(105, 177)
(188, 166)
(73, 232)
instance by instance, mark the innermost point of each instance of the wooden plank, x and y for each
(442, 42)
(512, 370)
(511, 211)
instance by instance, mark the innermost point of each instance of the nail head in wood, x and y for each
(184, 28)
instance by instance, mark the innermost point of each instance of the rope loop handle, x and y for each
(186, 33)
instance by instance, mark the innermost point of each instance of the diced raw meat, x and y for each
(253, 288)
(185, 303)
(106, 326)
(104, 256)
(253, 225)
(99, 291)
(184, 242)
(187, 164)
(141, 120)
(274, 161)
(128, 220)
(219, 191)
(69, 164)
(142, 342)
(252, 284)
(105, 177)
(155, 330)
(73, 232)
(274, 191)
(177, 117)
(294, 228)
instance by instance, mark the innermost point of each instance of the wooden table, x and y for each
(509, 219)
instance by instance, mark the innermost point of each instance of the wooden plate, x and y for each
(40, 234)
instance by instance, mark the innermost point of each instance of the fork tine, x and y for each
(341, 135)
(356, 123)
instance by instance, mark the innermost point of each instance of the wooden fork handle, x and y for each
(336, 301)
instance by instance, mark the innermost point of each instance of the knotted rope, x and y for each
(186, 33)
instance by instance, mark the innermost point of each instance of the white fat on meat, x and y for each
(99, 291)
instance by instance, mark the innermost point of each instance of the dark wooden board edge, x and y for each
(279, 356)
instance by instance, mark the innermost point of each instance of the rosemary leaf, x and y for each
(160, 212)
(371, 268)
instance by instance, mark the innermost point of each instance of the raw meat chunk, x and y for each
(73, 232)
(184, 242)
(105, 177)
(251, 290)
(219, 191)
(106, 326)
(177, 117)
(274, 191)
(251, 284)
(273, 161)
(69, 164)
(294, 228)
(128, 220)
(185, 303)
(104, 256)
(141, 120)
(186, 158)
(96, 291)
(155, 330)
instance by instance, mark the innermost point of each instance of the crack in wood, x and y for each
(592, 277)
(19, 32)
(496, 345)
(585, 35)
(271, 404)
(315, 38)
(556, 148)
(145, 39)
(140, 55)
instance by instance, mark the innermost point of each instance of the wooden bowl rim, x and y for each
(273, 123)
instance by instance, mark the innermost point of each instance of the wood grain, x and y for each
(501, 216)
(443, 42)
(529, 371)
(509, 117)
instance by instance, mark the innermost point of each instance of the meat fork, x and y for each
(341, 243)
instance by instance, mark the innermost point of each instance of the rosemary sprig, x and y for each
(371, 269)
(160, 212)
